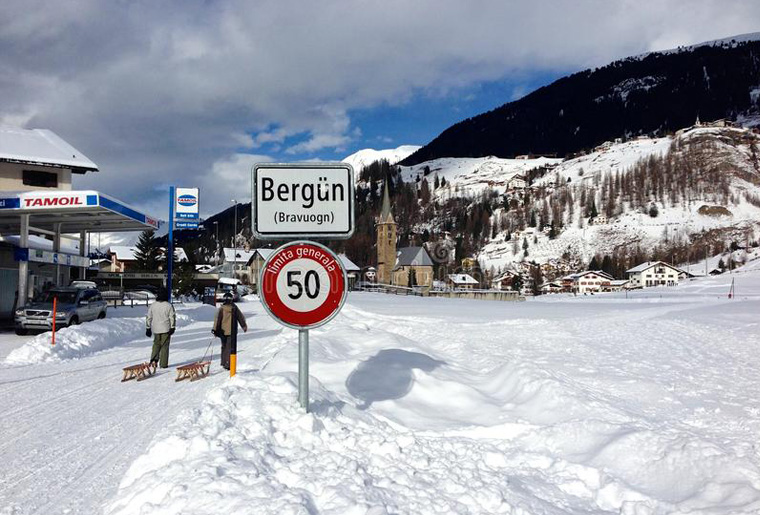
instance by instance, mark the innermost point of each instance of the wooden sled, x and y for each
(139, 372)
(193, 371)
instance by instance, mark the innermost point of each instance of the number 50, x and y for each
(309, 286)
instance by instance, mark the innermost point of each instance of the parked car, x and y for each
(141, 295)
(73, 305)
(83, 284)
(227, 285)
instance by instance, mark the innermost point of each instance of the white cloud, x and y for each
(161, 93)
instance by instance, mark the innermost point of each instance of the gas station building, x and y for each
(43, 222)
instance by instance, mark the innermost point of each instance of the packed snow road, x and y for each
(69, 428)
(603, 404)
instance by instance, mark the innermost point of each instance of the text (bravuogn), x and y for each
(318, 219)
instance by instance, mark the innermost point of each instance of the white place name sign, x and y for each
(303, 200)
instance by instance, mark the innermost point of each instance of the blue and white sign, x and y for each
(53, 258)
(186, 208)
(181, 224)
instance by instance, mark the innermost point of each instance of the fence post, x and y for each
(55, 308)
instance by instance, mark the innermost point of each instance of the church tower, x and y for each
(386, 240)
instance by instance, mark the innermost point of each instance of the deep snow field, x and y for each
(594, 404)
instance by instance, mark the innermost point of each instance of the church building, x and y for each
(407, 266)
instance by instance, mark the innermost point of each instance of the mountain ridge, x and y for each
(654, 94)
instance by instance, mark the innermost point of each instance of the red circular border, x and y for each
(279, 310)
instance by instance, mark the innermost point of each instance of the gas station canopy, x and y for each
(70, 212)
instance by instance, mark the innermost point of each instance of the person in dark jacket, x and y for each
(160, 322)
(227, 315)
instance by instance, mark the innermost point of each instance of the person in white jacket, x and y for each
(160, 322)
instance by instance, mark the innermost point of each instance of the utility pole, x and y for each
(216, 244)
(234, 241)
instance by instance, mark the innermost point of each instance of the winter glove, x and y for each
(148, 333)
(171, 331)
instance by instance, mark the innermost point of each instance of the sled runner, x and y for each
(193, 371)
(139, 372)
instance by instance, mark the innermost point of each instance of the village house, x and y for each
(469, 263)
(237, 260)
(123, 258)
(598, 220)
(504, 281)
(591, 281)
(552, 287)
(255, 263)
(516, 182)
(653, 273)
(619, 284)
(461, 282)
(353, 271)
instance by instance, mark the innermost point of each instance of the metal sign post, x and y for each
(170, 246)
(303, 368)
(303, 285)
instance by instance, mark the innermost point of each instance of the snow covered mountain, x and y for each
(362, 158)
(680, 195)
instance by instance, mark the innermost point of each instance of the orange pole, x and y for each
(55, 307)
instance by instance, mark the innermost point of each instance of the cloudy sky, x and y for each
(193, 92)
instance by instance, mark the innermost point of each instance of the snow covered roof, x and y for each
(126, 253)
(649, 264)
(462, 279)
(123, 253)
(242, 255)
(413, 256)
(262, 253)
(41, 146)
(229, 280)
(349, 265)
(619, 282)
(597, 272)
(506, 275)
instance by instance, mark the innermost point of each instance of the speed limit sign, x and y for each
(303, 285)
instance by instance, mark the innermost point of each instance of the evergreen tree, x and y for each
(517, 282)
(594, 264)
(182, 277)
(148, 252)
(538, 278)
(412, 277)
(607, 265)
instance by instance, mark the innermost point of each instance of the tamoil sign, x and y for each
(303, 200)
(186, 208)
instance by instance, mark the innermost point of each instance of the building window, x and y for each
(40, 179)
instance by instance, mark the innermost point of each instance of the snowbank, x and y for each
(250, 449)
(85, 339)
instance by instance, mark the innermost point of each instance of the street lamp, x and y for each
(234, 241)
(216, 243)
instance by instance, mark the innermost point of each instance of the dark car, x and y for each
(73, 305)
